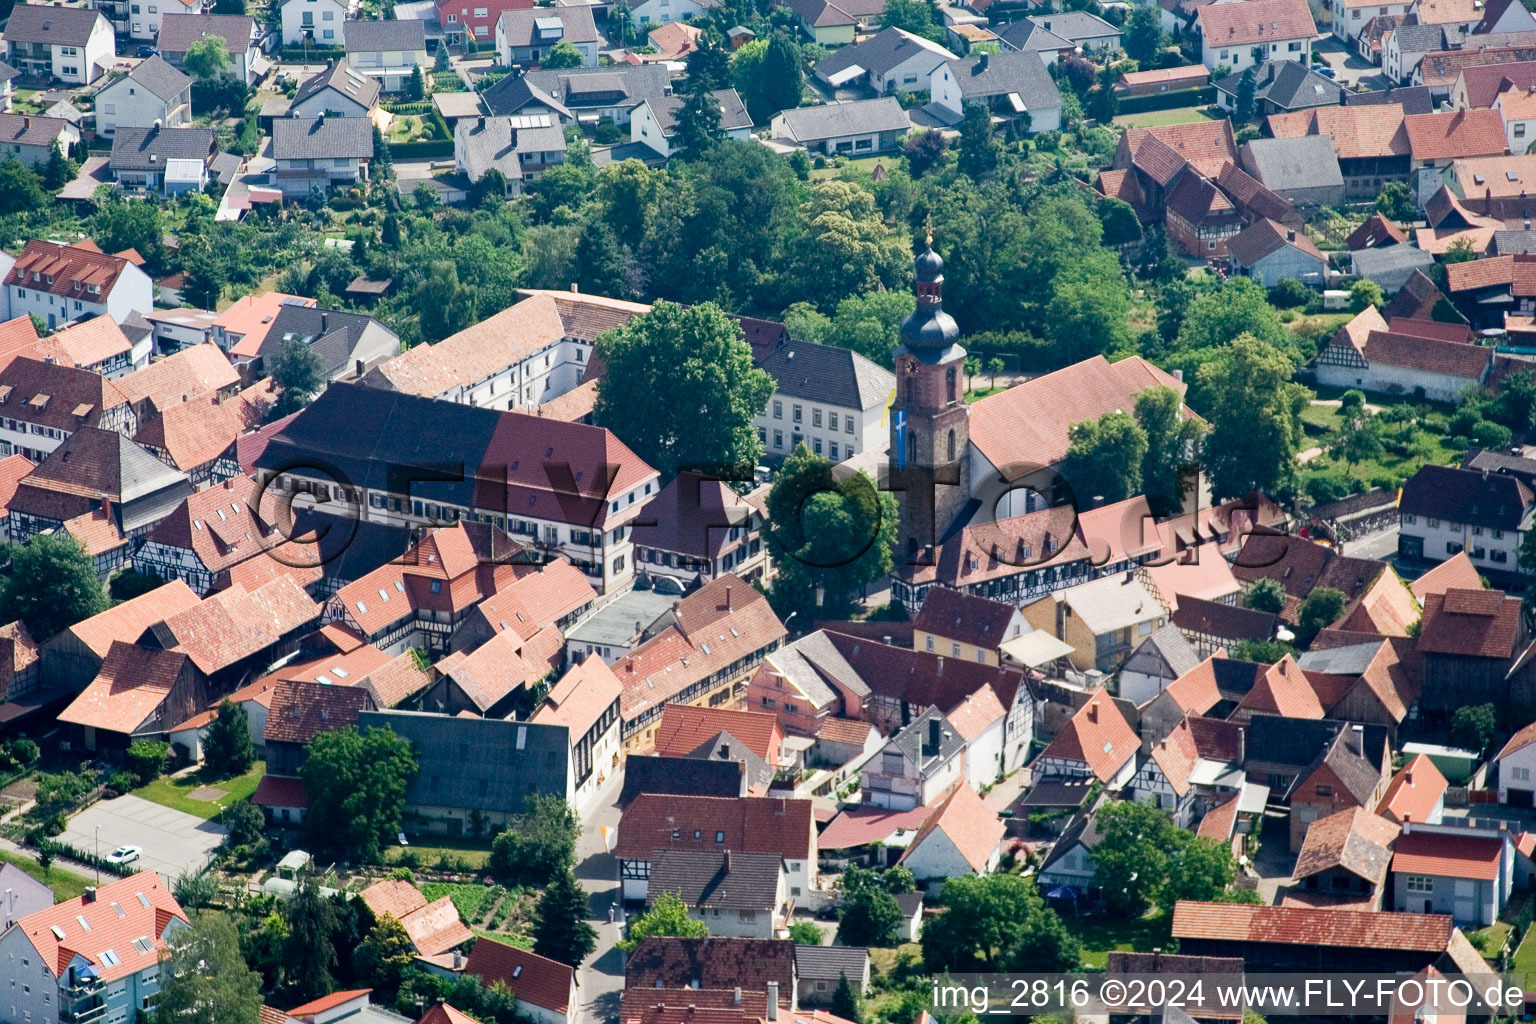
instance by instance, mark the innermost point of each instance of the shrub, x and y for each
(1289, 292)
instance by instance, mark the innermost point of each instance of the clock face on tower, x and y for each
(911, 366)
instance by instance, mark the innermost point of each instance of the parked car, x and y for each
(124, 855)
(145, 50)
(1326, 71)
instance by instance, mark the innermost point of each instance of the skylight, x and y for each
(58, 932)
(109, 958)
(143, 899)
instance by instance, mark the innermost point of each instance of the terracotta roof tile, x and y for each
(1471, 623)
(1414, 792)
(692, 515)
(1359, 131)
(1430, 933)
(751, 825)
(1453, 856)
(396, 681)
(279, 791)
(476, 353)
(968, 618)
(66, 270)
(1255, 22)
(250, 317)
(1456, 572)
(1097, 736)
(1285, 691)
(684, 728)
(128, 621)
(301, 710)
(1376, 232)
(128, 690)
(124, 912)
(712, 963)
(328, 1002)
(861, 825)
(1206, 145)
(970, 826)
(1354, 839)
(188, 374)
(1452, 134)
(85, 344)
(581, 697)
(536, 980)
(393, 896)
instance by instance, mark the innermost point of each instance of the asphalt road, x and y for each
(173, 842)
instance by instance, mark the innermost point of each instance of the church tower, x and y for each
(930, 422)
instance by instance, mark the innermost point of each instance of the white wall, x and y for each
(325, 16)
(127, 104)
(1441, 536)
(1438, 387)
(1240, 57)
(778, 431)
(937, 857)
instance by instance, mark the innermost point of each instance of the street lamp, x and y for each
(98, 856)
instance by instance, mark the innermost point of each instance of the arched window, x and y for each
(951, 446)
(911, 390)
(911, 446)
(949, 384)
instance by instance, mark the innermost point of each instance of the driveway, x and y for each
(174, 842)
(1275, 861)
(1349, 69)
(601, 977)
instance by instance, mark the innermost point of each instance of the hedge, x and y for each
(313, 54)
(1201, 97)
(417, 107)
(420, 150)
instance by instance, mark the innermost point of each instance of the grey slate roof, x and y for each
(298, 138)
(1075, 25)
(881, 52)
(495, 142)
(1004, 73)
(1082, 829)
(682, 776)
(144, 149)
(1307, 161)
(478, 763)
(733, 113)
(342, 77)
(1387, 259)
(1295, 742)
(1416, 99)
(179, 31)
(157, 75)
(1288, 84)
(573, 89)
(1416, 38)
(1340, 661)
(7, 72)
(829, 375)
(912, 740)
(1031, 37)
(829, 963)
(1509, 243)
(30, 131)
(367, 34)
(51, 26)
(725, 880)
(518, 26)
(331, 333)
(806, 660)
(1169, 645)
(837, 120)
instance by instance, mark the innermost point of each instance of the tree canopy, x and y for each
(668, 915)
(355, 784)
(52, 585)
(997, 923)
(205, 979)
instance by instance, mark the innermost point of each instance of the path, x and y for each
(1308, 455)
(601, 977)
(1334, 403)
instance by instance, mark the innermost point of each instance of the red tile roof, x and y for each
(300, 711)
(1518, 742)
(442, 1013)
(128, 621)
(250, 317)
(188, 374)
(478, 352)
(751, 825)
(534, 979)
(1302, 926)
(1098, 736)
(85, 344)
(861, 825)
(195, 432)
(723, 622)
(971, 827)
(129, 689)
(1451, 856)
(1414, 792)
(580, 698)
(1353, 839)
(968, 618)
(72, 271)
(329, 1002)
(1449, 135)
(220, 524)
(693, 515)
(279, 791)
(1456, 572)
(235, 624)
(1205, 145)
(684, 728)
(1285, 691)
(50, 394)
(1471, 623)
(1358, 131)
(123, 913)
(1256, 22)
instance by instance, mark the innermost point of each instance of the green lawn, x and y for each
(475, 853)
(1489, 941)
(1159, 118)
(1524, 960)
(173, 792)
(66, 884)
(468, 897)
(1101, 935)
(865, 163)
(1418, 447)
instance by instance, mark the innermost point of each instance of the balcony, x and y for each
(82, 1011)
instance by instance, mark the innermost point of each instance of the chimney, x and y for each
(933, 734)
(1290, 235)
(1093, 711)
(773, 1001)
(1242, 746)
(887, 640)
(458, 960)
(726, 864)
(981, 65)
(323, 319)
(90, 894)
(736, 996)
(727, 597)
(941, 665)
(26, 122)
(1357, 739)
(1178, 375)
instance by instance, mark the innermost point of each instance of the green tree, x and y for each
(21, 190)
(601, 263)
(1266, 595)
(1358, 435)
(1474, 726)
(830, 536)
(355, 784)
(979, 149)
(805, 933)
(898, 880)
(309, 949)
(245, 823)
(1143, 34)
(195, 890)
(440, 61)
(1242, 104)
(1121, 225)
(1395, 202)
(52, 585)
(914, 16)
(204, 979)
(845, 247)
(130, 583)
(1216, 317)
(1516, 404)
(697, 127)
(207, 58)
(560, 928)
(416, 88)
(298, 375)
(384, 956)
(1131, 861)
(709, 66)
(145, 760)
(846, 1002)
(995, 366)
(1202, 869)
(869, 917)
(226, 743)
(782, 74)
(1255, 417)
(59, 171)
(1319, 609)
(997, 923)
(1104, 458)
(668, 916)
(539, 844)
(1173, 446)
(119, 225)
(563, 55)
(869, 323)
(681, 390)
(1363, 293)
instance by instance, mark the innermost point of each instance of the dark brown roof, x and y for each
(1467, 496)
(302, 710)
(1471, 623)
(711, 962)
(774, 825)
(1227, 621)
(956, 615)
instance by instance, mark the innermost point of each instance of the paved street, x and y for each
(601, 978)
(1350, 69)
(173, 842)
(1381, 544)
